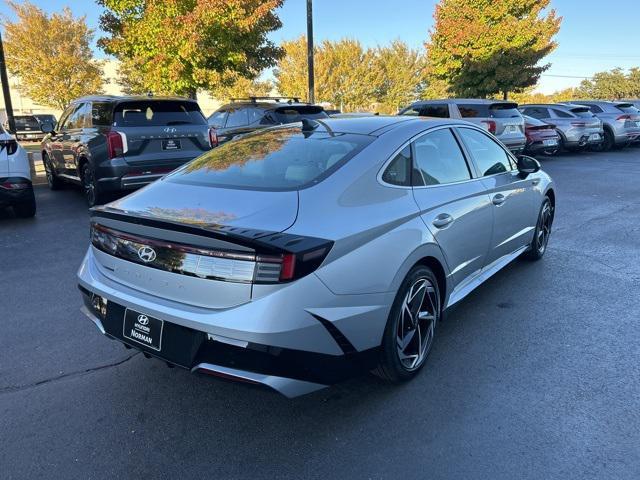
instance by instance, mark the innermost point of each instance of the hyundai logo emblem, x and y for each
(146, 254)
(170, 130)
(143, 319)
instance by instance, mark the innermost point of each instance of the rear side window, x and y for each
(536, 112)
(473, 111)
(627, 108)
(595, 108)
(412, 111)
(293, 113)
(582, 112)
(101, 114)
(276, 160)
(157, 113)
(438, 159)
(435, 110)
(561, 114)
(490, 157)
(399, 170)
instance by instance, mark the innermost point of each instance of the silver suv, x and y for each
(300, 255)
(501, 118)
(577, 126)
(621, 121)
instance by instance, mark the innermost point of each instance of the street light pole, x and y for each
(5, 89)
(312, 98)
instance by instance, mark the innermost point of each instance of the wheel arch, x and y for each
(552, 197)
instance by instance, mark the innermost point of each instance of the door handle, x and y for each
(498, 199)
(442, 220)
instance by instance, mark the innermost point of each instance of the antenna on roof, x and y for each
(309, 125)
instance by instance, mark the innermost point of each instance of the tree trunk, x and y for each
(505, 94)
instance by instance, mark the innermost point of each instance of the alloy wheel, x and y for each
(48, 171)
(88, 185)
(416, 325)
(544, 227)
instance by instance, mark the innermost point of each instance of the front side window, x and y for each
(77, 118)
(438, 159)
(275, 160)
(412, 111)
(64, 119)
(490, 157)
(399, 170)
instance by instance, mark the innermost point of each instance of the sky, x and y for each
(593, 37)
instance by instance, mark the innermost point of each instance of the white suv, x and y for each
(16, 189)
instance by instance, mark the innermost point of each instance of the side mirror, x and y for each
(527, 165)
(46, 127)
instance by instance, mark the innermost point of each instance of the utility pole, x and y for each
(312, 97)
(5, 89)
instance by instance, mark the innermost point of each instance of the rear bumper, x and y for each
(514, 146)
(117, 175)
(300, 332)
(13, 196)
(627, 136)
(288, 371)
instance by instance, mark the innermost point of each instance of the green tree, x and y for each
(243, 87)
(485, 47)
(51, 55)
(612, 85)
(179, 46)
(399, 76)
(344, 73)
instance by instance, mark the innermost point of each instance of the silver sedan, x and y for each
(304, 254)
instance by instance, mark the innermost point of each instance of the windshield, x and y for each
(150, 113)
(22, 121)
(274, 159)
(494, 110)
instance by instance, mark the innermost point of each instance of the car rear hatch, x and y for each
(161, 132)
(630, 117)
(586, 120)
(500, 118)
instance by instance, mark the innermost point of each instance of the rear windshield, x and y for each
(150, 113)
(627, 108)
(582, 112)
(494, 110)
(275, 159)
(26, 121)
(291, 114)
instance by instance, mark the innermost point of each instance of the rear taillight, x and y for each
(213, 137)
(9, 185)
(579, 124)
(115, 144)
(489, 125)
(623, 118)
(233, 266)
(10, 145)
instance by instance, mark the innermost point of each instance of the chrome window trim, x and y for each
(388, 161)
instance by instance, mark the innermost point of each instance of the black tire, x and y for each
(26, 209)
(561, 147)
(90, 186)
(391, 367)
(53, 181)
(538, 245)
(608, 142)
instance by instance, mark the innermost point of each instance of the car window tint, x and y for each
(101, 114)
(582, 112)
(255, 115)
(438, 159)
(218, 119)
(490, 157)
(561, 114)
(64, 119)
(399, 170)
(627, 108)
(77, 118)
(440, 110)
(237, 118)
(412, 111)
(293, 113)
(157, 113)
(536, 112)
(473, 111)
(595, 108)
(273, 159)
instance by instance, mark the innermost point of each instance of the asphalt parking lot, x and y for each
(535, 375)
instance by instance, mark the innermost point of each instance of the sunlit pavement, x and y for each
(536, 375)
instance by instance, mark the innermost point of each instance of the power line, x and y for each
(565, 76)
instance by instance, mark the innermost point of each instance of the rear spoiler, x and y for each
(263, 240)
